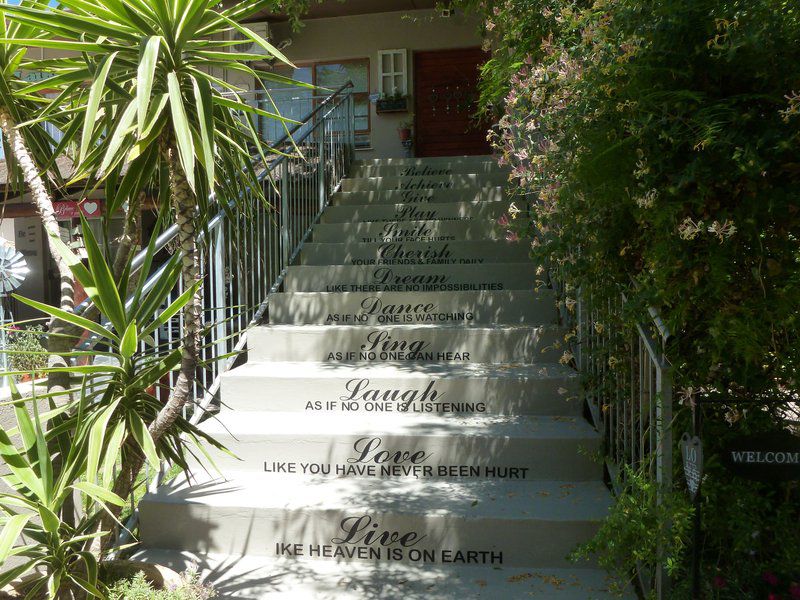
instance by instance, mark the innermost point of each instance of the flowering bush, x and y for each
(656, 144)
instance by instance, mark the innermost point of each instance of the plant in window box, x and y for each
(405, 127)
(396, 102)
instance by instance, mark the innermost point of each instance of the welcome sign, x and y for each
(765, 457)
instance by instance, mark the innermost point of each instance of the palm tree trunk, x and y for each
(127, 240)
(185, 205)
(61, 336)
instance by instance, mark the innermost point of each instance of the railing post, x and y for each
(321, 166)
(285, 249)
(351, 128)
(663, 457)
(218, 283)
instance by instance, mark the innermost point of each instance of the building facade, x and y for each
(412, 66)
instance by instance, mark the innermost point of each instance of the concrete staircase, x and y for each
(402, 428)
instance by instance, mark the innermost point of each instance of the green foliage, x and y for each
(25, 350)
(52, 548)
(655, 144)
(637, 525)
(125, 375)
(750, 531)
(23, 106)
(138, 588)
(102, 424)
(142, 91)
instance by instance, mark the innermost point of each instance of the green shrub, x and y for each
(635, 527)
(138, 588)
(656, 145)
(26, 350)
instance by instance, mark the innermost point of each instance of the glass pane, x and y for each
(387, 84)
(290, 101)
(398, 83)
(301, 74)
(386, 63)
(399, 67)
(362, 123)
(361, 107)
(362, 141)
(334, 76)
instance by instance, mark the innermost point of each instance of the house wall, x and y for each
(362, 36)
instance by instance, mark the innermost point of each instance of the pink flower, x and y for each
(511, 236)
(719, 582)
(774, 596)
(770, 578)
(503, 221)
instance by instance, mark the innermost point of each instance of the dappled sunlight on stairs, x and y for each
(402, 428)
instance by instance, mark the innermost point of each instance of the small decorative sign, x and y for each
(692, 452)
(70, 209)
(765, 457)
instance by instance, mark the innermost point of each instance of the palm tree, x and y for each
(148, 99)
(30, 155)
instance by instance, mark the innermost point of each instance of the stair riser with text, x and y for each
(382, 308)
(405, 405)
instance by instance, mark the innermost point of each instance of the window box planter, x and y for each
(391, 105)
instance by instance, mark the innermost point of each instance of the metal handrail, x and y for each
(629, 396)
(248, 272)
(631, 403)
(171, 232)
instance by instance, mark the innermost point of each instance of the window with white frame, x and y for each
(393, 76)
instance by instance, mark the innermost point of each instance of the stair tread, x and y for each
(466, 204)
(413, 327)
(257, 577)
(262, 423)
(585, 501)
(520, 295)
(462, 158)
(305, 370)
(501, 243)
(532, 513)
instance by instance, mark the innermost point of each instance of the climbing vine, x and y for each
(657, 145)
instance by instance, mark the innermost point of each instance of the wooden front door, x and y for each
(445, 100)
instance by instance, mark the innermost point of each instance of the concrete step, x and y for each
(405, 343)
(430, 160)
(487, 522)
(383, 213)
(416, 253)
(409, 278)
(450, 388)
(443, 168)
(426, 196)
(383, 308)
(468, 181)
(257, 578)
(410, 231)
(403, 445)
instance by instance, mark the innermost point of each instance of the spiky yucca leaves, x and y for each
(31, 162)
(145, 91)
(118, 393)
(51, 559)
